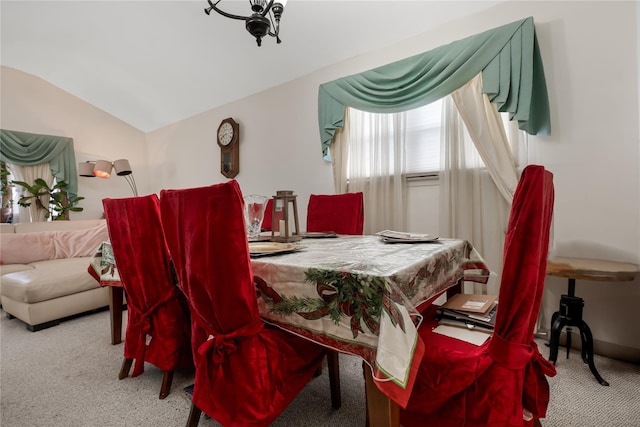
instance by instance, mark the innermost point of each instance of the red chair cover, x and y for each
(157, 310)
(341, 213)
(246, 372)
(460, 384)
(268, 211)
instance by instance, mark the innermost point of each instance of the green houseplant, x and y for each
(6, 206)
(59, 203)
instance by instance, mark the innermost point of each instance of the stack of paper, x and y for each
(390, 236)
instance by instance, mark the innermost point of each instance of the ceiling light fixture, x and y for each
(266, 14)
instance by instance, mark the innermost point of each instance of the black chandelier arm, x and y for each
(214, 6)
(222, 12)
(268, 8)
(275, 16)
(276, 35)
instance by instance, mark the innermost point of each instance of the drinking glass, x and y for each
(254, 213)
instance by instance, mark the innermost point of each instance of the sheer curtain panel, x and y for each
(29, 174)
(479, 174)
(376, 164)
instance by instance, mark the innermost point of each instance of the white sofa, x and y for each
(44, 270)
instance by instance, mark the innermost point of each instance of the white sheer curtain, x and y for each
(369, 156)
(479, 171)
(29, 174)
(479, 174)
(340, 157)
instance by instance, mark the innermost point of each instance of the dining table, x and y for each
(359, 295)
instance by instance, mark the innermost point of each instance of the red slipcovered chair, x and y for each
(247, 372)
(158, 316)
(340, 213)
(460, 384)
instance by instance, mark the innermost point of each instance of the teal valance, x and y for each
(508, 57)
(22, 148)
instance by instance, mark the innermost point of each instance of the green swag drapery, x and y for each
(508, 57)
(22, 148)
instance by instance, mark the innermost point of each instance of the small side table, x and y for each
(571, 306)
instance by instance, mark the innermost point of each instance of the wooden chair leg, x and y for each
(116, 298)
(334, 378)
(536, 423)
(165, 389)
(366, 398)
(194, 416)
(126, 367)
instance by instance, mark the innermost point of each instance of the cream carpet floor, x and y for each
(67, 376)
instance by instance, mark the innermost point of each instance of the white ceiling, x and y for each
(152, 63)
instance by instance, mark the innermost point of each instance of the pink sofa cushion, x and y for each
(24, 248)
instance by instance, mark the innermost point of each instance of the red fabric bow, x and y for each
(142, 328)
(225, 344)
(511, 355)
(535, 395)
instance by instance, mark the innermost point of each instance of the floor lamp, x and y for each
(102, 169)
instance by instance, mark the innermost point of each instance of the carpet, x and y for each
(67, 376)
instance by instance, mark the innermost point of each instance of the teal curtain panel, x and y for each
(508, 57)
(22, 148)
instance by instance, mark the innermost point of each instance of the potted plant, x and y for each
(6, 206)
(59, 203)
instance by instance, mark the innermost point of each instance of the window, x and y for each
(422, 149)
(379, 139)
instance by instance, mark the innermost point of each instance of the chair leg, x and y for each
(165, 389)
(126, 367)
(366, 398)
(334, 378)
(194, 416)
(536, 423)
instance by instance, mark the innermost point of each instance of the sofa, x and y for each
(44, 273)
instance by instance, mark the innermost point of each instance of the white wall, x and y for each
(30, 104)
(590, 54)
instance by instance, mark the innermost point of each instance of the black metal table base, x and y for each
(570, 315)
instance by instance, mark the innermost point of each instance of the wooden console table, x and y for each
(570, 313)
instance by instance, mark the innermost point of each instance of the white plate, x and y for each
(257, 249)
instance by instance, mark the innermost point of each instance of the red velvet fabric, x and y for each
(268, 213)
(340, 213)
(246, 372)
(460, 384)
(156, 307)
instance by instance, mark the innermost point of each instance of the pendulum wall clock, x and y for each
(228, 138)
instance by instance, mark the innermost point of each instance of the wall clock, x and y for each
(228, 138)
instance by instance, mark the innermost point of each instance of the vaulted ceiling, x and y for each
(152, 63)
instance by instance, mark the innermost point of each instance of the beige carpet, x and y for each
(67, 376)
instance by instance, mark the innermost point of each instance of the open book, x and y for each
(471, 303)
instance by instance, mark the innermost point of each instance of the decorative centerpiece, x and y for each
(285, 211)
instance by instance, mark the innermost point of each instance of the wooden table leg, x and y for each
(115, 311)
(381, 411)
